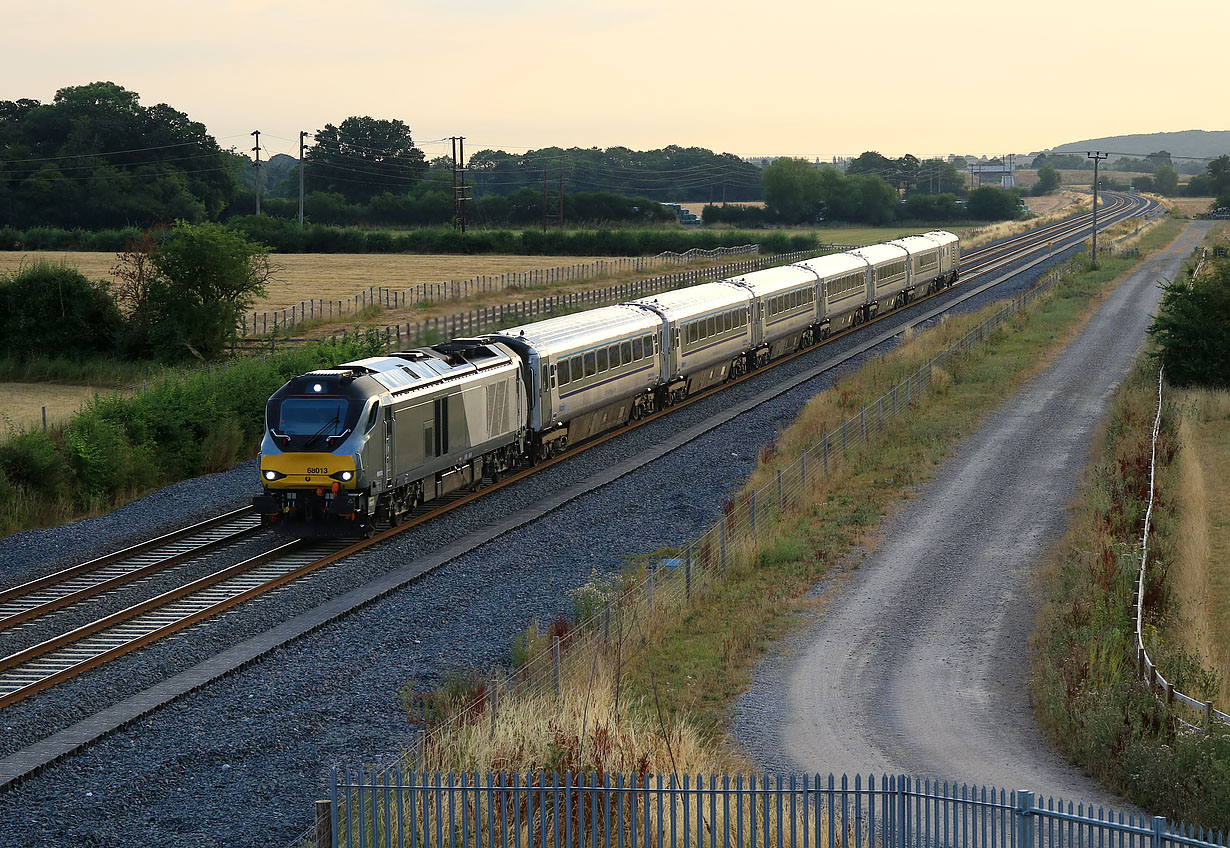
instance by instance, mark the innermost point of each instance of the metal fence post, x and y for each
(1159, 831)
(903, 817)
(1024, 815)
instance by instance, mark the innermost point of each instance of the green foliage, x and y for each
(1192, 329)
(991, 203)
(793, 190)
(1063, 161)
(54, 310)
(931, 208)
(32, 461)
(94, 157)
(361, 157)
(667, 174)
(1049, 179)
(1166, 180)
(203, 278)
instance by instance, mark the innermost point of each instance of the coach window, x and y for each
(693, 332)
(649, 345)
(613, 355)
(591, 365)
(625, 352)
(637, 349)
(728, 321)
(564, 378)
(575, 368)
(602, 361)
(711, 325)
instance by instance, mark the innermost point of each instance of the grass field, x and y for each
(24, 402)
(1189, 206)
(1203, 565)
(334, 276)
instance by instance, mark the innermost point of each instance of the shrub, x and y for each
(31, 460)
(1192, 329)
(54, 310)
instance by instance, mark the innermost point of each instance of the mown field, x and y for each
(334, 276)
(24, 402)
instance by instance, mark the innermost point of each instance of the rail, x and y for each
(1162, 688)
(670, 583)
(550, 810)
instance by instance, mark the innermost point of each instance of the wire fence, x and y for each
(472, 321)
(1162, 688)
(541, 810)
(425, 294)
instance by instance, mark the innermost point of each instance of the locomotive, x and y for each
(369, 441)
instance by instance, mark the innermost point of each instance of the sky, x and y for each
(783, 77)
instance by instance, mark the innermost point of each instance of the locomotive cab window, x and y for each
(372, 417)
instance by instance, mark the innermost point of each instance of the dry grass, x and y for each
(24, 402)
(332, 276)
(1028, 177)
(1189, 206)
(1202, 574)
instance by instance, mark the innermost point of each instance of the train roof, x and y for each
(581, 329)
(773, 280)
(879, 253)
(413, 369)
(835, 265)
(682, 304)
(915, 244)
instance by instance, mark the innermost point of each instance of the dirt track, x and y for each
(919, 664)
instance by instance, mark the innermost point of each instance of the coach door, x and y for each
(388, 447)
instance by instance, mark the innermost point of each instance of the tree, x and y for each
(1192, 329)
(793, 190)
(364, 157)
(1143, 183)
(203, 278)
(991, 203)
(1049, 179)
(1166, 180)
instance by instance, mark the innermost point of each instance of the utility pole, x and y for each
(459, 188)
(1097, 156)
(561, 197)
(302, 136)
(257, 135)
(544, 198)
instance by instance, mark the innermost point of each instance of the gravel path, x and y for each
(919, 663)
(240, 762)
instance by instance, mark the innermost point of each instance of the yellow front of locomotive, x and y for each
(315, 454)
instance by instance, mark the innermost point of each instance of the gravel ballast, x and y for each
(241, 761)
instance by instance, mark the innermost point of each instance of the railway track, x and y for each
(36, 668)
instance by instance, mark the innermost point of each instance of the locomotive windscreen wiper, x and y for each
(336, 420)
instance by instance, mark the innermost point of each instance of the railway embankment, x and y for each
(656, 690)
(1135, 634)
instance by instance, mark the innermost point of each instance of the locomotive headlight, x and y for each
(344, 476)
(273, 475)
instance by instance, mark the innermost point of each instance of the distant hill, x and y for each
(1201, 143)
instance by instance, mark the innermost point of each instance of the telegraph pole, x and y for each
(561, 197)
(257, 135)
(302, 136)
(1097, 156)
(459, 188)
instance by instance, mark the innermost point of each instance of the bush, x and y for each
(31, 460)
(991, 203)
(1192, 329)
(54, 310)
